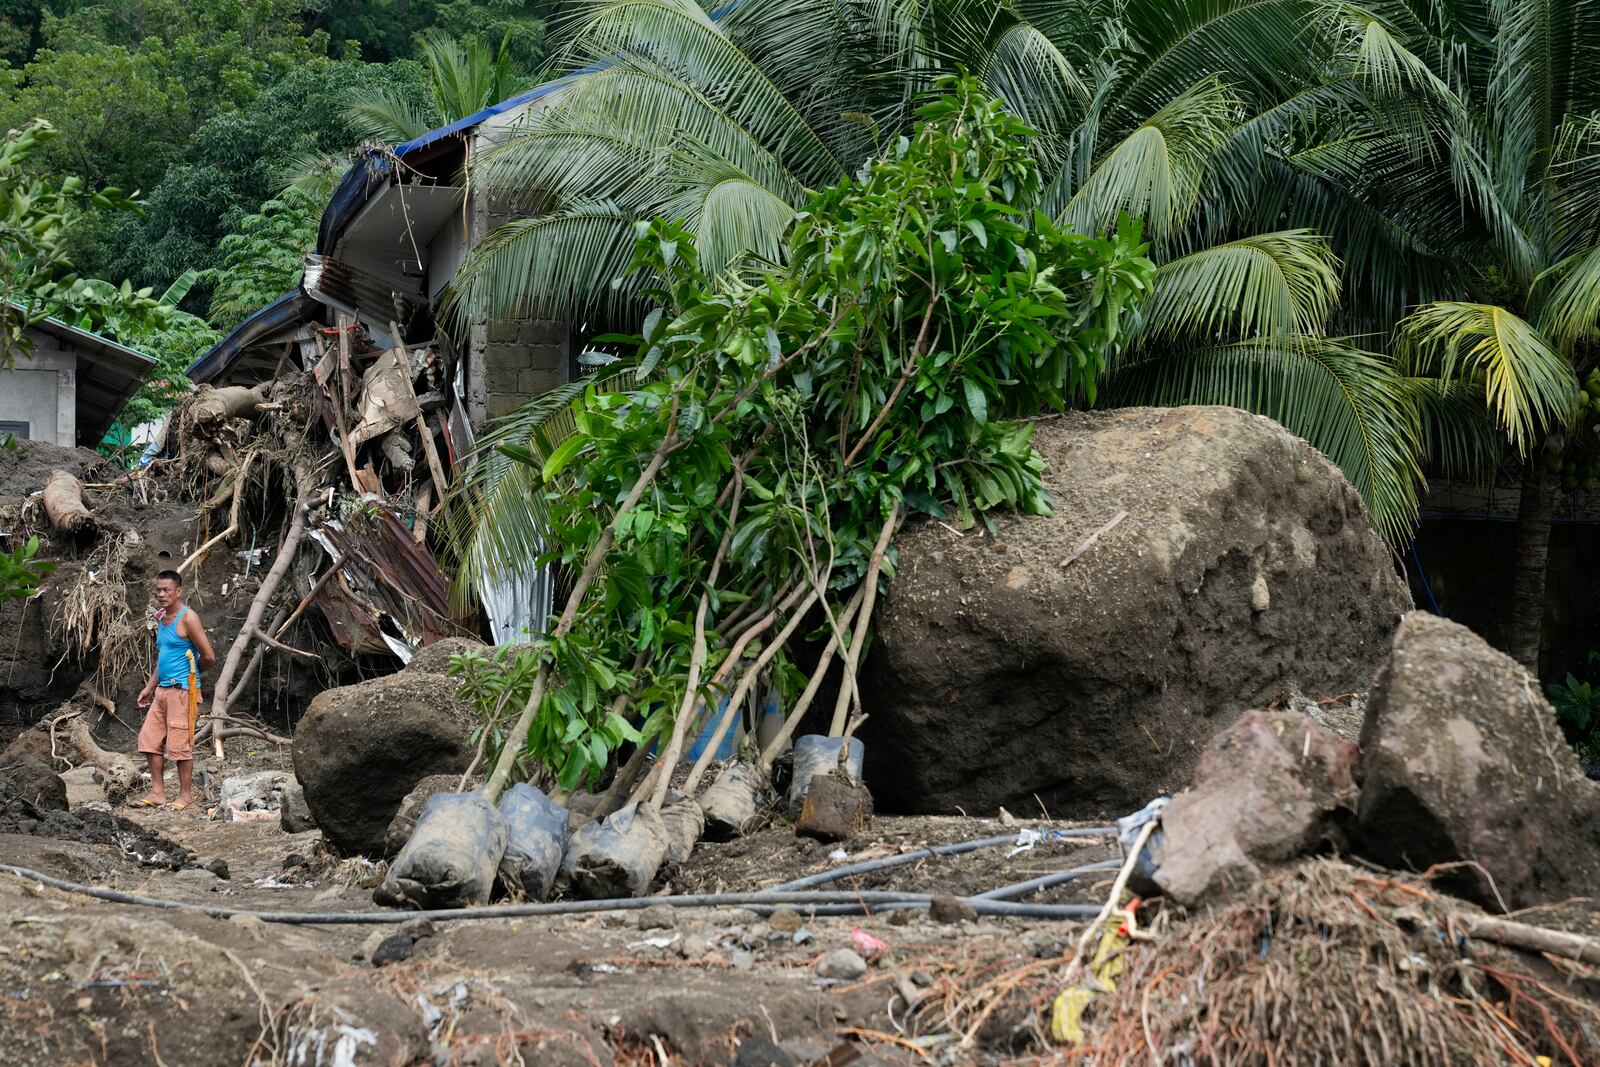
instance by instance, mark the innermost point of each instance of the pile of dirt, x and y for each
(22, 815)
(1198, 562)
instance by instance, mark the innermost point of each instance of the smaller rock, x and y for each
(784, 920)
(802, 936)
(658, 917)
(759, 931)
(392, 949)
(900, 917)
(218, 867)
(418, 928)
(257, 928)
(196, 878)
(83, 787)
(951, 910)
(1042, 944)
(370, 945)
(835, 808)
(842, 965)
(293, 859)
(741, 959)
(295, 815)
(693, 947)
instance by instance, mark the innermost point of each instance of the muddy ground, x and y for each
(90, 982)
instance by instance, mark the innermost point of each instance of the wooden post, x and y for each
(435, 468)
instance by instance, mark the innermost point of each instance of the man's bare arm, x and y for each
(196, 633)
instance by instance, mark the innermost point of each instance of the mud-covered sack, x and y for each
(452, 856)
(684, 822)
(536, 839)
(815, 754)
(617, 856)
(732, 804)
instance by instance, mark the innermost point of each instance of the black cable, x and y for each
(836, 903)
(959, 847)
(1045, 881)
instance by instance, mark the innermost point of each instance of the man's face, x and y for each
(167, 592)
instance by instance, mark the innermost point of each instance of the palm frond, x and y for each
(1460, 440)
(1156, 171)
(382, 114)
(570, 261)
(1527, 384)
(1349, 404)
(731, 214)
(1269, 286)
(1569, 314)
(1028, 71)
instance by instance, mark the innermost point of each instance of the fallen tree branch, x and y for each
(233, 516)
(266, 639)
(1531, 938)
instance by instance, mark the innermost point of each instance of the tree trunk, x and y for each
(1533, 555)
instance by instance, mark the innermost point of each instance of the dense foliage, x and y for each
(748, 465)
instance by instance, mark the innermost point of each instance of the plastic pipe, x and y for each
(1045, 881)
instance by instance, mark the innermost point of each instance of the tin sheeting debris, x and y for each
(389, 595)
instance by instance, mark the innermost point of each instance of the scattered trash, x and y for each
(865, 943)
(1026, 839)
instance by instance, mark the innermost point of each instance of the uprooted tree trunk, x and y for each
(215, 405)
(63, 504)
(223, 691)
(122, 777)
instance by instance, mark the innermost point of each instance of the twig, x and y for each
(317, 587)
(848, 691)
(263, 637)
(233, 515)
(1532, 938)
(1088, 542)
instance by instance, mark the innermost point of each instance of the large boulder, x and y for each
(1022, 664)
(1462, 760)
(1272, 787)
(360, 748)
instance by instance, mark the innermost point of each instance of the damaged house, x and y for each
(392, 237)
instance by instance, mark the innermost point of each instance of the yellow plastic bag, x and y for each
(1066, 1014)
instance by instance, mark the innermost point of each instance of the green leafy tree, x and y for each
(20, 573)
(263, 258)
(388, 29)
(1181, 112)
(752, 459)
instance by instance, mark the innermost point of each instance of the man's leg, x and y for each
(185, 777)
(158, 792)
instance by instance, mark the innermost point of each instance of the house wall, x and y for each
(42, 392)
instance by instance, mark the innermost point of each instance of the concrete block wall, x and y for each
(521, 359)
(43, 392)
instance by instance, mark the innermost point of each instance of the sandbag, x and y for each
(684, 823)
(731, 804)
(452, 857)
(815, 754)
(617, 856)
(536, 838)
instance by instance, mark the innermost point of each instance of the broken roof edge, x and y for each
(65, 331)
(287, 308)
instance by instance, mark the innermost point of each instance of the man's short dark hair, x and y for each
(172, 576)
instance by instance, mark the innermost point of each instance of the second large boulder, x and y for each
(1463, 767)
(1197, 562)
(361, 748)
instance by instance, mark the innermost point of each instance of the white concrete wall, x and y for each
(42, 392)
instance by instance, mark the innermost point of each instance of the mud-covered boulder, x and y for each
(360, 748)
(1274, 786)
(435, 658)
(35, 782)
(1462, 760)
(1023, 664)
(294, 816)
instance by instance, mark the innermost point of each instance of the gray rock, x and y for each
(741, 959)
(195, 878)
(844, 965)
(658, 917)
(1462, 759)
(393, 949)
(218, 867)
(261, 791)
(693, 947)
(1161, 615)
(294, 815)
(370, 945)
(951, 910)
(83, 787)
(418, 928)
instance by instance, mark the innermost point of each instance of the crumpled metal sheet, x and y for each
(389, 595)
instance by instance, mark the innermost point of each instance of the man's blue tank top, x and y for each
(172, 666)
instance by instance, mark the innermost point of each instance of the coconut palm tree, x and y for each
(464, 77)
(1179, 111)
(1484, 142)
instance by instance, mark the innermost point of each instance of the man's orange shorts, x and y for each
(167, 722)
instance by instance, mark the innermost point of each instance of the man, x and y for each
(182, 650)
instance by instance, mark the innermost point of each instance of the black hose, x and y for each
(835, 903)
(926, 853)
(1045, 881)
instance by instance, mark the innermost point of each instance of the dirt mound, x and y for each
(1198, 561)
(20, 814)
(1462, 760)
(361, 748)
